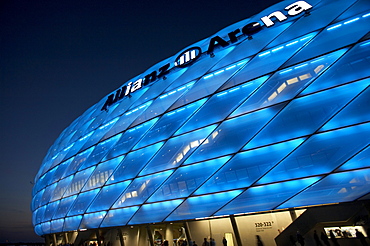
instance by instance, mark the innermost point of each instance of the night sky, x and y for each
(60, 57)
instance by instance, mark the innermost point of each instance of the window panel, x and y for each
(50, 210)
(176, 150)
(45, 227)
(129, 138)
(93, 220)
(72, 223)
(246, 167)
(320, 16)
(249, 47)
(76, 147)
(360, 160)
(356, 112)
(267, 197)
(82, 202)
(78, 182)
(61, 188)
(64, 207)
(56, 225)
(101, 174)
(48, 193)
(140, 189)
(186, 179)
(194, 207)
(232, 134)
(168, 124)
(337, 187)
(162, 103)
(39, 214)
(100, 151)
(286, 84)
(119, 217)
(59, 173)
(126, 119)
(133, 163)
(155, 212)
(352, 66)
(107, 196)
(334, 37)
(271, 59)
(209, 83)
(305, 115)
(320, 154)
(219, 106)
(78, 161)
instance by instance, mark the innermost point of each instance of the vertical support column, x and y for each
(150, 235)
(65, 237)
(187, 231)
(169, 233)
(120, 235)
(48, 240)
(236, 230)
(98, 237)
(54, 239)
(293, 215)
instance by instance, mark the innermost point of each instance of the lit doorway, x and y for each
(229, 238)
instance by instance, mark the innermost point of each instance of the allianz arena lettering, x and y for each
(190, 56)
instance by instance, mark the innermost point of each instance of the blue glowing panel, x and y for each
(249, 47)
(140, 189)
(210, 82)
(320, 16)
(39, 214)
(176, 150)
(78, 161)
(337, 187)
(246, 167)
(92, 220)
(50, 210)
(61, 188)
(286, 84)
(100, 151)
(335, 36)
(119, 217)
(64, 207)
(45, 227)
(356, 112)
(271, 59)
(219, 106)
(76, 147)
(352, 66)
(155, 212)
(100, 132)
(101, 173)
(36, 200)
(133, 163)
(82, 202)
(56, 225)
(168, 124)
(107, 196)
(46, 179)
(202, 66)
(126, 119)
(232, 134)
(202, 206)
(162, 103)
(186, 179)
(47, 194)
(320, 154)
(72, 223)
(266, 197)
(305, 115)
(78, 182)
(361, 160)
(129, 139)
(59, 173)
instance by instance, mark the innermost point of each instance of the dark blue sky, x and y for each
(59, 57)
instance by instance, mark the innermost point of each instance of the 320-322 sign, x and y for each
(263, 224)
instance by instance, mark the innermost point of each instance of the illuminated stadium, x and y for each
(261, 129)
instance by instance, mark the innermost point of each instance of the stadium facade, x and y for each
(261, 129)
